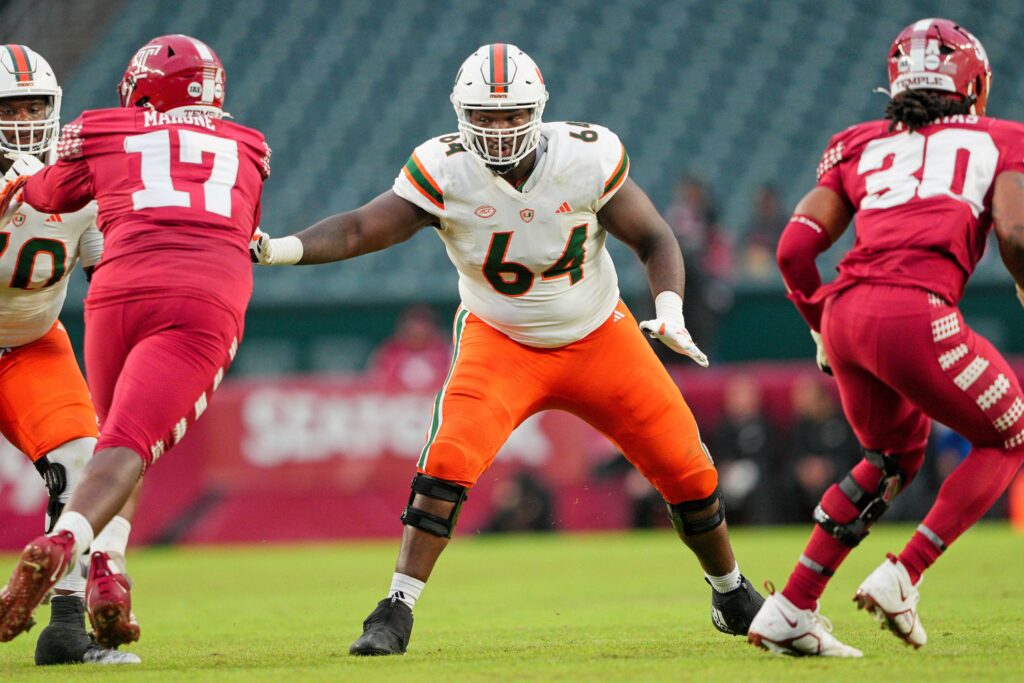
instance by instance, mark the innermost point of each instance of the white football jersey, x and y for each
(37, 254)
(532, 261)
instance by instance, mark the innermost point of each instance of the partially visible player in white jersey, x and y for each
(45, 407)
(524, 209)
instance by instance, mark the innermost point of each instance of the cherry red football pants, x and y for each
(901, 355)
(152, 365)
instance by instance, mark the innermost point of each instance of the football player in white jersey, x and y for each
(45, 407)
(524, 209)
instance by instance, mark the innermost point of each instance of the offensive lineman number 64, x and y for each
(158, 189)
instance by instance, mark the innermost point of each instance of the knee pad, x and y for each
(438, 489)
(61, 469)
(870, 503)
(679, 513)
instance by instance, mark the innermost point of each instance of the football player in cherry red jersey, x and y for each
(524, 208)
(178, 190)
(925, 186)
(52, 420)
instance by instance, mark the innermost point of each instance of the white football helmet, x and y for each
(24, 73)
(499, 76)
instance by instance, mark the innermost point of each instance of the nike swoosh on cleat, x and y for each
(792, 624)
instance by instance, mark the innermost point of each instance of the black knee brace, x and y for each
(870, 504)
(438, 489)
(56, 479)
(684, 527)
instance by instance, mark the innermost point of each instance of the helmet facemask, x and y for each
(34, 137)
(499, 148)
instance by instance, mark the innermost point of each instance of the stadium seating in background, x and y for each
(744, 91)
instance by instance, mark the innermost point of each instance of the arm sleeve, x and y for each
(418, 181)
(64, 187)
(801, 242)
(614, 163)
(90, 246)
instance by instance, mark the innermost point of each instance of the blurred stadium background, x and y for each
(725, 108)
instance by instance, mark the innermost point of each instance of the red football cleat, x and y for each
(43, 562)
(108, 601)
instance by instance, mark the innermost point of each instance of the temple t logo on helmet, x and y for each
(25, 74)
(938, 54)
(499, 76)
(175, 74)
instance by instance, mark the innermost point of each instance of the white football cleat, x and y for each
(781, 627)
(889, 595)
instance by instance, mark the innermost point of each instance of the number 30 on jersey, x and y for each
(954, 162)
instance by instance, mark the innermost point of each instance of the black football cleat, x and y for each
(64, 640)
(732, 612)
(386, 631)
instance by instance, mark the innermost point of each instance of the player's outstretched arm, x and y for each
(386, 220)
(1008, 217)
(632, 218)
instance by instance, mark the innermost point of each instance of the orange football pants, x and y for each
(44, 401)
(611, 379)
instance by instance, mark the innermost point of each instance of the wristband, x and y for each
(285, 251)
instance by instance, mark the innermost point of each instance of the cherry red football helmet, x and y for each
(174, 72)
(938, 54)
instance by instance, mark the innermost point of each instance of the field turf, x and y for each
(609, 607)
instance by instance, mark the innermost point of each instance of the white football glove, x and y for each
(819, 356)
(265, 251)
(670, 328)
(24, 164)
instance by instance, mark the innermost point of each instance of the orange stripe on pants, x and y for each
(611, 379)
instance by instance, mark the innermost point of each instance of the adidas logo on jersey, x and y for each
(617, 316)
(564, 208)
(54, 218)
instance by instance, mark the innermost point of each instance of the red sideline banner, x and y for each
(311, 458)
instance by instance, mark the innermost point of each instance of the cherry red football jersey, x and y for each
(923, 198)
(178, 198)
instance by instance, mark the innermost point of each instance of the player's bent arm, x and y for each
(64, 187)
(386, 220)
(631, 218)
(1008, 218)
(818, 221)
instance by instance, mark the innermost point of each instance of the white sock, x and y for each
(79, 527)
(113, 540)
(726, 582)
(406, 588)
(74, 580)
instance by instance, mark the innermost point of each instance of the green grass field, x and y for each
(609, 607)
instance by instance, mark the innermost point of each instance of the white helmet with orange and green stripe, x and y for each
(25, 74)
(499, 76)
